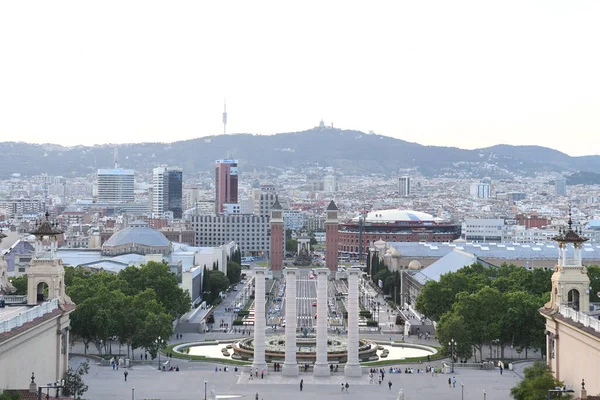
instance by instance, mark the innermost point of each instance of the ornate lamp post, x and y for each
(159, 343)
(452, 344)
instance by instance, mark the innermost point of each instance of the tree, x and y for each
(74, 384)
(453, 327)
(291, 245)
(10, 396)
(234, 272)
(522, 325)
(482, 314)
(313, 239)
(20, 283)
(538, 380)
(205, 281)
(593, 272)
(218, 283)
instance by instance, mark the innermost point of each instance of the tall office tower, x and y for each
(167, 188)
(226, 183)
(560, 186)
(160, 191)
(404, 186)
(329, 184)
(332, 236)
(277, 239)
(175, 195)
(115, 185)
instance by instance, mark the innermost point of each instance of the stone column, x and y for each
(321, 365)
(260, 322)
(352, 367)
(290, 366)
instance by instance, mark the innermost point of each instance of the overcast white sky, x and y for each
(456, 73)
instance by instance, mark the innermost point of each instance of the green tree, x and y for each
(521, 324)
(453, 327)
(593, 272)
(10, 396)
(218, 283)
(538, 380)
(205, 281)
(74, 384)
(234, 272)
(482, 314)
(291, 245)
(313, 239)
(20, 283)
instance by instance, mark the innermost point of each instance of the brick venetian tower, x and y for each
(277, 239)
(332, 237)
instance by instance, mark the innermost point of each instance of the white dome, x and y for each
(414, 264)
(395, 215)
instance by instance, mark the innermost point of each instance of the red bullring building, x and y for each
(394, 226)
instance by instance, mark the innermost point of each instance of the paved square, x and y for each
(188, 383)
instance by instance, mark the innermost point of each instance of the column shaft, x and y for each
(352, 367)
(260, 323)
(321, 364)
(290, 366)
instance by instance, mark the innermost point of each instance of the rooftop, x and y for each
(139, 235)
(508, 251)
(117, 171)
(397, 215)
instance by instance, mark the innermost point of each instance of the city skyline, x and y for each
(465, 74)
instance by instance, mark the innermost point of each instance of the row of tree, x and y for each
(135, 306)
(479, 305)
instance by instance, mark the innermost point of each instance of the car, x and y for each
(235, 288)
(314, 304)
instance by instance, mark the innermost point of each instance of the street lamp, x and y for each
(452, 345)
(462, 391)
(205, 390)
(158, 346)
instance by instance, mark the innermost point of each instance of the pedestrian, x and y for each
(342, 388)
(347, 386)
(256, 397)
(453, 381)
(301, 384)
(262, 374)
(390, 385)
(125, 374)
(449, 382)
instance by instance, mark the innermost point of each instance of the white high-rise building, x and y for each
(481, 190)
(115, 185)
(404, 186)
(329, 184)
(560, 186)
(160, 191)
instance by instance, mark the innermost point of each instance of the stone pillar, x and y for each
(260, 322)
(290, 366)
(321, 365)
(352, 367)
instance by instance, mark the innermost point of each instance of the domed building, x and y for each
(137, 238)
(395, 225)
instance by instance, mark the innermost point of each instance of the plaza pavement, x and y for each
(188, 383)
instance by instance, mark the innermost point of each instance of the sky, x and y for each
(458, 73)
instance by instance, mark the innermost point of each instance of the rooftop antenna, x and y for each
(116, 157)
(225, 117)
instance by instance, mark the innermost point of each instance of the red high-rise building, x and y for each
(332, 237)
(226, 183)
(277, 239)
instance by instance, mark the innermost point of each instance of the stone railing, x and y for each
(580, 317)
(28, 315)
(14, 298)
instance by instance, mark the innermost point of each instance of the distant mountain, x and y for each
(346, 151)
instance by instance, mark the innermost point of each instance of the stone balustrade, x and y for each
(28, 315)
(580, 317)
